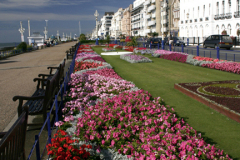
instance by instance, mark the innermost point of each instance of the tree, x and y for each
(108, 40)
(238, 32)
(82, 37)
(22, 46)
(133, 42)
(154, 34)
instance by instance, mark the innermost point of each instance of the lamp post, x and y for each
(96, 15)
(46, 36)
(21, 30)
(58, 35)
(45, 33)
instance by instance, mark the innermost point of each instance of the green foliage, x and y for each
(22, 46)
(82, 37)
(133, 42)
(108, 40)
(154, 34)
(159, 78)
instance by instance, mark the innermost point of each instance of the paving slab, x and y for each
(17, 74)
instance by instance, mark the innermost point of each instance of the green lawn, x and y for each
(159, 78)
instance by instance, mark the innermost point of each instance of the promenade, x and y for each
(17, 74)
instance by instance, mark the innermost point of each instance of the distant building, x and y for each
(126, 21)
(116, 24)
(106, 23)
(36, 39)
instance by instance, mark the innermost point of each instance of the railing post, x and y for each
(150, 46)
(138, 45)
(182, 48)
(37, 148)
(158, 45)
(143, 45)
(187, 41)
(49, 128)
(233, 57)
(170, 47)
(218, 57)
(162, 44)
(197, 50)
(56, 107)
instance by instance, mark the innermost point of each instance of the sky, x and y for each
(62, 15)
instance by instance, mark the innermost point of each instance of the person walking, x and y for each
(171, 43)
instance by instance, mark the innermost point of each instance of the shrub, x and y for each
(22, 46)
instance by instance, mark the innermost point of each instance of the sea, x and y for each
(11, 44)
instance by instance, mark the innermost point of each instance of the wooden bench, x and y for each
(60, 78)
(12, 144)
(41, 99)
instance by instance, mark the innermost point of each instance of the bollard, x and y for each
(162, 44)
(197, 50)
(115, 41)
(49, 128)
(143, 45)
(158, 45)
(187, 41)
(218, 57)
(182, 48)
(170, 47)
(150, 46)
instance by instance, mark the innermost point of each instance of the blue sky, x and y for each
(62, 15)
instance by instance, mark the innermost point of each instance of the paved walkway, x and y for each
(17, 74)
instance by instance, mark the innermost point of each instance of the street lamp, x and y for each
(187, 15)
(21, 30)
(46, 30)
(96, 15)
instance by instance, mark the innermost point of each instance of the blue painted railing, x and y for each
(58, 106)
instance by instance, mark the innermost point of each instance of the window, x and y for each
(217, 11)
(223, 5)
(209, 9)
(203, 10)
(229, 6)
(238, 5)
(198, 10)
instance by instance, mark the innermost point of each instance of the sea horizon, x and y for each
(9, 44)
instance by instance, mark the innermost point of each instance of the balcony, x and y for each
(222, 16)
(135, 20)
(237, 14)
(165, 29)
(228, 15)
(217, 17)
(164, 13)
(151, 23)
(153, 15)
(154, 30)
(164, 21)
(206, 18)
(151, 8)
(153, 1)
(148, 16)
(148, 31)
(147, 2)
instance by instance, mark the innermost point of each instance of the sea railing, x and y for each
(58, 106)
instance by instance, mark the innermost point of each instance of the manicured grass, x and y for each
(159, 78)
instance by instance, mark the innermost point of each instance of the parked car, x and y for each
(177, 41)
(154, 42)
(221, 41)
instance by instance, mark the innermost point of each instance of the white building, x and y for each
(138, 18)
(206, 17)
(106, 23)
(36, 39)
(150, 16)
(116, 24)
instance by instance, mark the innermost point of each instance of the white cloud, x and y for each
(39, 17)
(37, 3)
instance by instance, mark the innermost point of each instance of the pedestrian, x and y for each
(171, 43)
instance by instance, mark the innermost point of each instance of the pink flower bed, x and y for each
(134, 124)
(106, 73)
(175, 57)
(225, 66)
(95, 58)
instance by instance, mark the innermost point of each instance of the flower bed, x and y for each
(94, 58)
(135, 58)
(117, 118)
(224, 96)
(233, 67)
(139, 126)
(106, 73)
(111, 45)
(117, 47)
(85, 65)
(158, 53)
(179, 57)
(108, 49)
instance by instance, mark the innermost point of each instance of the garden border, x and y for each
(220, 108)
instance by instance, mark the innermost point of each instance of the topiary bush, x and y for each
(22, 46)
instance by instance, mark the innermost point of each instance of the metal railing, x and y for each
(58, 106)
